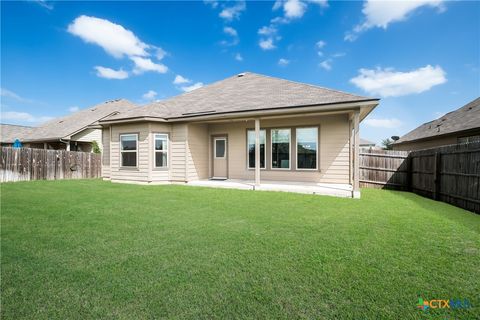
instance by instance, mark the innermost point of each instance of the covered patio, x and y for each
(328, 189)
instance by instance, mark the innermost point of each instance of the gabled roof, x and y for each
(67, 126)
(243, 92)
(11, 132)
(462, 119)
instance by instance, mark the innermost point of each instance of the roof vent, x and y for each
(240, 75)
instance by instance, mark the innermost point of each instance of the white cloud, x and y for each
(192, 87)
(320, 44)
(390, 83)
(267, 30)
(108, 73)
(180, 80)
(322, 3)
(10, 94)
(73, 109)
(283, 62)
(113, 38)
(146, 64)
(326, 64)
(383, 123)
(382, 13)
(212, 3)
(160, 53)
(294, 9)
(238, 57)
(44, 4)
(230, 13)
(150, 95)
(266, 44)
(230, 31)
(23, 117)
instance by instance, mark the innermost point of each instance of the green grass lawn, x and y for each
(93, 249)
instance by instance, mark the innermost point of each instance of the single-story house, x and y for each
(246, 128)
(459, 126)
(364, 143)
(74, 132)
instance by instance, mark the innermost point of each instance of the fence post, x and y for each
(409, 172)
(436, 176)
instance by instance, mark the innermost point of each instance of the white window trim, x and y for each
(289, 149)
(264, 152)
(296, 150)
(122, 151)
(215, 148)
(161, 151)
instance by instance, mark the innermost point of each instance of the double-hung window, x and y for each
(280, 139)
(307, 148)
(128, 149)
(251, 148)
(161, 150)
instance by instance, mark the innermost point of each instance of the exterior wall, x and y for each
(417, 145)
(190, 151)
(197, 151)
(334, 158)
(106, 153)
(89, 135)
(141, 172)
(435, 142)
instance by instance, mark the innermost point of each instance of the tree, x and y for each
(95, 147)
(387, 144)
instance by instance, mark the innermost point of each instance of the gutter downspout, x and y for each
(67, 144)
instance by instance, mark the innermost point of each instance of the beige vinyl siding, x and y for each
(198, 151)
(160, 174)
(89, 135)
(106, 153)
(141, 172)
(178, 152)
(333, 149)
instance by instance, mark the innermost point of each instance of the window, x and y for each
(280, 148)
(307, 148)
(220, 145)
(128, 149)
(161, 150)
(251, 148)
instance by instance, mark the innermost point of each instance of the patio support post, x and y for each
(257, 152)
(356, 156)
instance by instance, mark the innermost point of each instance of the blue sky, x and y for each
(421, 58)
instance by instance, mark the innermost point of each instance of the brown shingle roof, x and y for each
(65, 126)
(11, 132)
(462, 119)
(244, 92)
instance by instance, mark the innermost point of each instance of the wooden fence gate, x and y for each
(450, 174)
(24, 164)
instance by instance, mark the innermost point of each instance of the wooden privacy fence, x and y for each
(25, 164)
(450, 174)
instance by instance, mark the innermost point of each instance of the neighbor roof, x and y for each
(11, 132)
(366, 142)
(243, 92)
(66, 126)
(463, 119)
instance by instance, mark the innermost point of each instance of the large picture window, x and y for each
(161, 150)
(128, 149)
(307, 148)
(280, 148)
(251, 148)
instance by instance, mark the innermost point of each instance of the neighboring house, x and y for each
(74, 132)
(364, 143)
(247, 127)
(459, 126)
